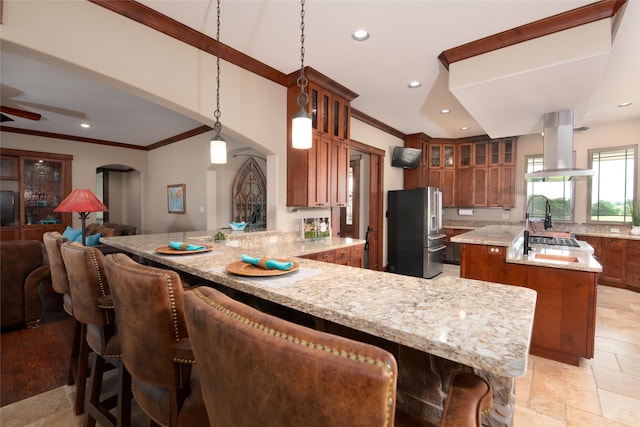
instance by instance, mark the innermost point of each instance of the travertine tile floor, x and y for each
(603, 391)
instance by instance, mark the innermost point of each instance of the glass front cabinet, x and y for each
(41, 184)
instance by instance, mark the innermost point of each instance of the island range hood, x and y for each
(558, 150)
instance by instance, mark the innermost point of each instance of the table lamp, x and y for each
(84, 202)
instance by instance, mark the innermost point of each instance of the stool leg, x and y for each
(81, 378)
(95, 387)
(124, 396)
(75, 349)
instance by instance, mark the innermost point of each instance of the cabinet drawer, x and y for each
(342, 255)
(596, 242)
(633, 244)
(614, 243)
(326, 256)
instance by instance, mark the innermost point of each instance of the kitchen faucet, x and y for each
(547, 220)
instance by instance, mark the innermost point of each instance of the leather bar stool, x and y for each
(260, 370)
(93, 307)
(148, 302)
(78, 363)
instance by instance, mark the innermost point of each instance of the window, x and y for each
(559, 194)
(612, 186)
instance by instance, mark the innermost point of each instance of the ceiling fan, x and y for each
(5, 112)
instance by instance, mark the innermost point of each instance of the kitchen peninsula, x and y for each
(434, 327)
(564, 278)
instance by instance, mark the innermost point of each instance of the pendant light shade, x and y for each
(301, 130)
(301, 124)
(218, 148)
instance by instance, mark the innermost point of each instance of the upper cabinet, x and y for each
(40, 183)
(318, 177)
(476, 172)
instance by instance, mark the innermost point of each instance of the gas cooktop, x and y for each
(554, 241)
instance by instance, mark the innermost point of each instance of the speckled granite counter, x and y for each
(511, 236)
(452, 319)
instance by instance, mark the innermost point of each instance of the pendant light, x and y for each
(301, 124)
(217, 145)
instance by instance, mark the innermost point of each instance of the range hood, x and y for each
(558, 150)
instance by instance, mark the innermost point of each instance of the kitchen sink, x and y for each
(552, 257)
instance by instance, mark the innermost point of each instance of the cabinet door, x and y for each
(435, 155)
(339, 173)
(321, 181)
(42, 191)
(480, 154)
(464, 156)
(340, 118)
(464, 179)
(479, 187)
(614, 260)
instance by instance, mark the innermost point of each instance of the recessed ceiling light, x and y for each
(445, 111)
(624, 104)
(414, 84)
(464, 128)
(85, 125)
(360, 35)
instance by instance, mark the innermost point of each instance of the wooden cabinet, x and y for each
(348, 255)
(442, 170)
(318, 177)
(564, 320)
(40, 182)
(501, 173)
(342, 256)
(613, 257)
(596, 244)
(419, 177)
(633, 265)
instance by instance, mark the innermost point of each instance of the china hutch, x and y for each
(37, 183)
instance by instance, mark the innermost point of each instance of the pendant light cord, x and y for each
(303, 98)
(217, 126)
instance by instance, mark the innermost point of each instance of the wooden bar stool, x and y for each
(92, 305)
(155, 342)
(78, 359)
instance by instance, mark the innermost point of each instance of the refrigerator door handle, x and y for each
(438, 249)
(436, 237)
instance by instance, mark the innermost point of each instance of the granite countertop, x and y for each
(595, 230)
(511, 237)
(467, 321)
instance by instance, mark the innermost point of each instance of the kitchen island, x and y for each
(433, 327)
(564, 278)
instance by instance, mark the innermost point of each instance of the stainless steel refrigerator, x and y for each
(416, 239)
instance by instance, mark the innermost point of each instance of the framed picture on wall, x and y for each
(176, 198)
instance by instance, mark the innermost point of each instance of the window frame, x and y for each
(590, 153)
(572, 192)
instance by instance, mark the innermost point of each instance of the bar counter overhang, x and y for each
(439, 325)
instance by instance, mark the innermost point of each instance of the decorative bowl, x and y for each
(237, 226)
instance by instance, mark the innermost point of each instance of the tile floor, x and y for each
(603, 391)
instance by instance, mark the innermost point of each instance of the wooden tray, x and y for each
(167, 250)
(242, 268)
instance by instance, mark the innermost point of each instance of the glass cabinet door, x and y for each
(434, 156)
(465, 155)
(448, 156)
(480, 158)
(43, 191)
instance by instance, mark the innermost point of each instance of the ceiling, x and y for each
(405, 40)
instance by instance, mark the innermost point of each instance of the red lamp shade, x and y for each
(81, 200)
